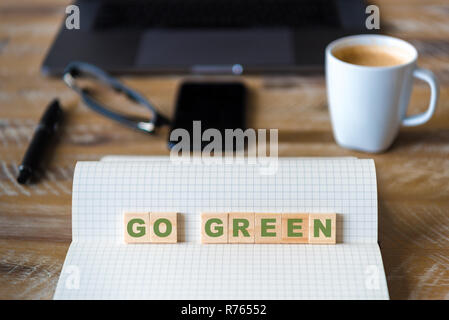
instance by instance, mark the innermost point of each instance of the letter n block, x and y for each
(164, 227)
(268, 227)
(214, 228)
(241, 227)
(295, 228)
(322, 228)
(136, 227)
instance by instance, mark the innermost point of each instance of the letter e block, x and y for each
(136, 227)
(268, 227)
(214, 227)
(295, 228)
(164, 227)
(322, 228)
(241, 227)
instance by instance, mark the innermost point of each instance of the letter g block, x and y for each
(136, 226)
(214, 228)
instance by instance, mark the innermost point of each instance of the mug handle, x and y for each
(421, 118)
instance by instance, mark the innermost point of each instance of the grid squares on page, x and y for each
(190, 271)
(103, 190)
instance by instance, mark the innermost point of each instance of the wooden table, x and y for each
(413, 176)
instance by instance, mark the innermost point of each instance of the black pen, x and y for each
(43, 136)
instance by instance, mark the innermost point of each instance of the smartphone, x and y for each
(217, 105)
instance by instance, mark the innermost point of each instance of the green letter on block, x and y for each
(291, 227)
(140, 230)
(240, 224)
(218, 229)
(158, 232)
(318, 225)
(264, 226)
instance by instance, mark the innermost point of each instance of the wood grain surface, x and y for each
(413, 176)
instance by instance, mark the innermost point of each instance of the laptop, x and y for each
(205, 36)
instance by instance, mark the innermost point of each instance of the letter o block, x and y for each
(136, 227)
(214, 228)
(164, 227)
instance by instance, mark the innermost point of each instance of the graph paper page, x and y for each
(99, 265)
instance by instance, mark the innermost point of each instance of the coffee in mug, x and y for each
(370, 55)
(369, 81)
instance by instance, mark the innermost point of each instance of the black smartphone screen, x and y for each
(217, 105)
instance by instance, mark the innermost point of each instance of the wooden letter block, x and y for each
(295, 228)
(164, 227)
(268, 227)
(136, 227)
(241, 227)
(322, 228)
(214, 228)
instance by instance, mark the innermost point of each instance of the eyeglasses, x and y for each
(76, 71)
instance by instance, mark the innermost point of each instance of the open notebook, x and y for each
(99, 265)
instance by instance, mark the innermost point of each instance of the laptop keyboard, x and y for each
(132, 14)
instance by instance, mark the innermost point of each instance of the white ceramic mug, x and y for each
(368, 104)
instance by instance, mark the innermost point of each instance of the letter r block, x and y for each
(214, 227)
(164, 227)
(136, 227)
(322, 228)
(241, 227)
